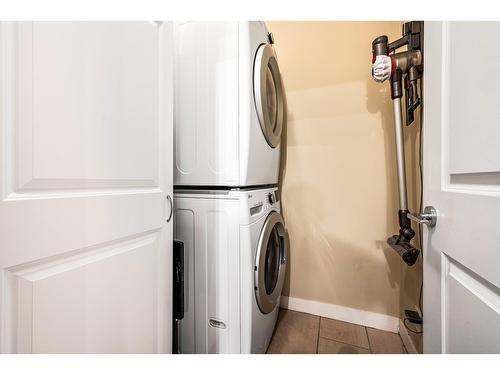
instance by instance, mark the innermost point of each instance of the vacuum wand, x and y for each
(393, 66)
(400, 153)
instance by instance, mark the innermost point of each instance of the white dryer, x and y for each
(236, 253)
(229, 105)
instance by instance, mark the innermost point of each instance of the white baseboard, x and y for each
(346, 314)
(407, 341)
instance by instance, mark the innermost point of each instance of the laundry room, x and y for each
(315, 144)
(339, 189)
(291, 188)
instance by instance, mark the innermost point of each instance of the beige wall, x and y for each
(339, 190)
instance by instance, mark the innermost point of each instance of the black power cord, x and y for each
(420, 157)
(420, 237)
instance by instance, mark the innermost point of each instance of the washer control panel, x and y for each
(259, 202)
(271, 198)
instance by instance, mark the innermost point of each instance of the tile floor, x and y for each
(299, 333)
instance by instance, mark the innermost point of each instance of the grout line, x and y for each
(348, 343)
(354, 324)
(344, 343)
(402, 344)
(369, 343)
(317, 336)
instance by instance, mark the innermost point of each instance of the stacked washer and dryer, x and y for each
(229, 114)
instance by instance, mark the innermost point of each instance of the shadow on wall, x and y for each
(338, 170)
(411, 277)
(348, 273)
(282, 172)
(378, 100)
(338, 268)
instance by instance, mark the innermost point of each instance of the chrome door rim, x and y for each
(268, 302)
(264, 58)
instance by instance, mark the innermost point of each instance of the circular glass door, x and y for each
(270, 262)
(268, 94)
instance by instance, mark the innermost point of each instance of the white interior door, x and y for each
(462, 180)
(86, 169)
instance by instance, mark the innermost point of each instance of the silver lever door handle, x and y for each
(428, 217)
(169, 199)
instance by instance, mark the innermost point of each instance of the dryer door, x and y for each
(268, 94)
(270, 262)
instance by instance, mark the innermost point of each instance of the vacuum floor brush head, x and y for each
(406, 251)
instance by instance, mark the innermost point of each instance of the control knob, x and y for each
(270, 198)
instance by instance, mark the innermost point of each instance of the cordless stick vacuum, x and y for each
(405, 65)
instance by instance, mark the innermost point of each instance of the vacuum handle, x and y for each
(382, 68)
(380, 46)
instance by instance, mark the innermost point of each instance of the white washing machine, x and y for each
(229, 105)
(235, 257)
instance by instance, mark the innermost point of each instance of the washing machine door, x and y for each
(270, 262)
(268, 94)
